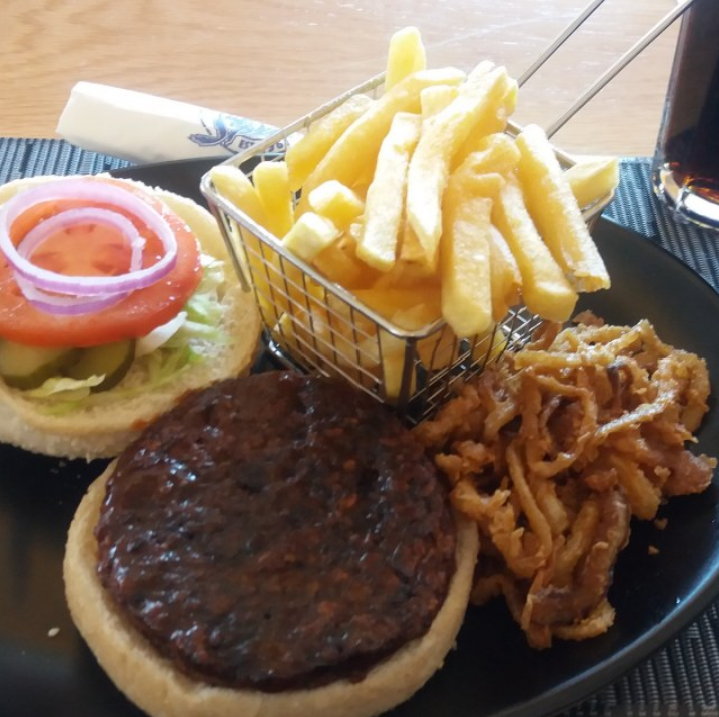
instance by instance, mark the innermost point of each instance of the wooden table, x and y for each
(274, 60)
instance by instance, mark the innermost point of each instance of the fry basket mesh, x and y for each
(315, 325)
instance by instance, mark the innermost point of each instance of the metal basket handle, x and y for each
(612, 71)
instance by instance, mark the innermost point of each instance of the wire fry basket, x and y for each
(314, 324)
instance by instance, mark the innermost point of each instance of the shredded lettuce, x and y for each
(66, 386)
(203, 306)
(173, 347)
(159, 336)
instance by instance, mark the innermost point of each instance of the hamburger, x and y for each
(116, 298)
(276, 544)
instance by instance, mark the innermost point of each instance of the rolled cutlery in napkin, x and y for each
(145, 128)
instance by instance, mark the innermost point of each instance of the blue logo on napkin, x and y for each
(233, 133)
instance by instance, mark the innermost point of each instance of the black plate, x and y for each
(492, 672)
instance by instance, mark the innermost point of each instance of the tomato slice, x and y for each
(97, 250)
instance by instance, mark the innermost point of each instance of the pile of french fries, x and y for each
(422, 207)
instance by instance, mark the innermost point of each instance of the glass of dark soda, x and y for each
(686, 163)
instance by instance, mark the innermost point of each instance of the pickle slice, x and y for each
(112, 360)
(27, 367)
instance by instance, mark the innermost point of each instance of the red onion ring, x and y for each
(66, 305)
(40, 233)
(35, 238)
(85, 286)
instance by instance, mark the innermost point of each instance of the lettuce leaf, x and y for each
(164, 353)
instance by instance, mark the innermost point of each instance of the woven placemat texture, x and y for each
(683, 678)
(636, 207)
(31, 157)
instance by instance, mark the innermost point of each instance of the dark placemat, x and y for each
(30, 157)
(683, 678)
(636, 207)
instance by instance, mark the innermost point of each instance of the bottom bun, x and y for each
(103, 429)
(154, 685)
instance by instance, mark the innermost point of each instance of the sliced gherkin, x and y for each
(27, 367)
(112, 360)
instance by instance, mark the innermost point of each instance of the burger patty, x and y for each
(275, 532)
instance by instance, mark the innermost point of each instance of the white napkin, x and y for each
(145, 128)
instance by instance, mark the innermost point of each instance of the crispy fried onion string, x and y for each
(552, 449)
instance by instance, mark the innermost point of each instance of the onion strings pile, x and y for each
(554, 448)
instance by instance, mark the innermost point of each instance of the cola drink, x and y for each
(686, 163)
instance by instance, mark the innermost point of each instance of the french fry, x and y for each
(422, 314)
(545, 289)
(411, 308)
(406, 55)
(492, 123)
(393, 367)
(434, 99)
(277, 284)
(441, 137)
(483, 185)
(438, 350)
(493, 153)
(359, 144)
(483, 172)
(506, 280)
(320, 340)
(341, 341)
(354, 231)
(593, 178)
(490, 345)
(310, 235)
(271, 181)
(411, 262)
(377, 244)
(235, 186)
(384, 355)
(554, 210)
(361, 187)
(339, 263)
(304, 155)
(340, 204)
(465, 264)
(509, 101)
(288, 332)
